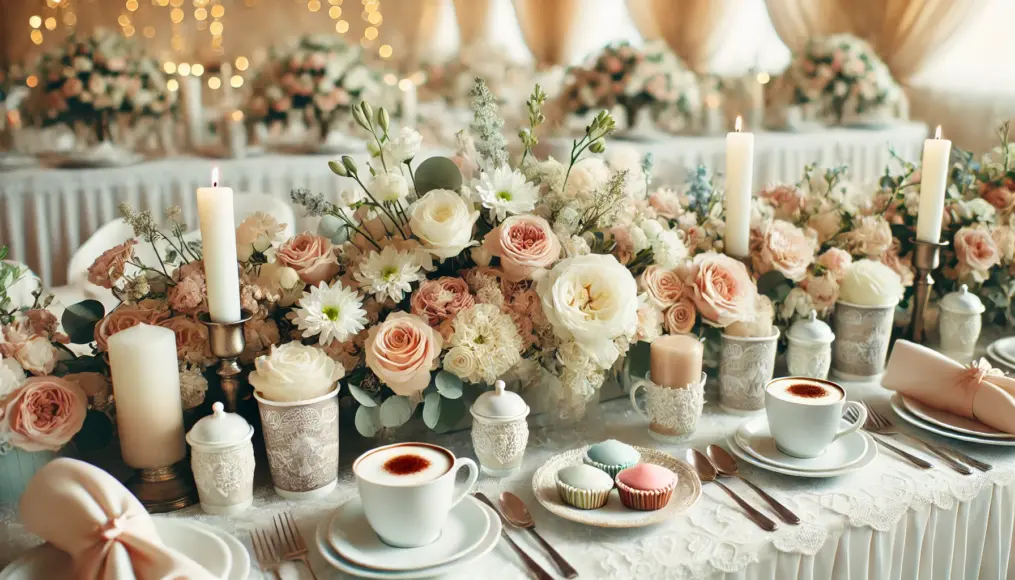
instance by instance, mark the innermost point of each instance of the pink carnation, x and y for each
(440, 300)
(786, 200)
(191, 339)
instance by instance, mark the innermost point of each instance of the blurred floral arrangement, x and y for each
(842, 80)
(651, 78)
(452, 80)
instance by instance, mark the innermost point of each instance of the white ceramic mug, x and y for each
(412, 515)
(806, 429)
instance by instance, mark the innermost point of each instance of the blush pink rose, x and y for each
(124, 317)
(823, 290)
(44, 413)
(192, 343)
(786, 249)
(827, 224)
(680, 318)
(786, 200)
(835, 260)
(976, 251)
(402, 351)
(623, 245)
(723, 290)
(663, 286)
(311, 256)
(1000, 197)
(36, 355)
(440, 300)
(666, 202)
(524, 244)
(871, 236)
(108, 268)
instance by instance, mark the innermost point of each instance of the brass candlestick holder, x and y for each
(164, 489)
(926, 258)
(227, 344)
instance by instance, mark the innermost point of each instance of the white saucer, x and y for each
(912, 419)
(868, 457)
(240, 568)
(951, 421)
(754, 437)
(350, 535)
(486, 544)
(46, 562)
(1003, 350)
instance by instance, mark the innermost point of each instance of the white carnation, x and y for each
(639, 239)
(490, 336)
(668, 250)
(586, 176)
(403, 146)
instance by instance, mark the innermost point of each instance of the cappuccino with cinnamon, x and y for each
(806, 391)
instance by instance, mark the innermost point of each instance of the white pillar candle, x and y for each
(409, 102)
(193, 110)
(234, 134)
(146, 388)
(226, 76)
(218, 238)
(933, 183)
(739, 180)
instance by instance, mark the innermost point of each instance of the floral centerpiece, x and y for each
(452, 80)
(651, 78)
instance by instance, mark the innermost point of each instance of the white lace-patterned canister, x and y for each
(960, 323)
(500, 430)
(809, 350)
(222, 457)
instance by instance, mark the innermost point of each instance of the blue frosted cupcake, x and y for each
(584, 487)
(611, 456)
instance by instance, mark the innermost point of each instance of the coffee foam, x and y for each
(404, 465)
(783, 389)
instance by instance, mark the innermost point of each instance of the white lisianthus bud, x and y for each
(481, 256)
(288, 278)
(389, 187)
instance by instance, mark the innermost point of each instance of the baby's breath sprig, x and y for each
(536, 118)
(594, 140)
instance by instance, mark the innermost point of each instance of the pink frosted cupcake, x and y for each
(646, 486)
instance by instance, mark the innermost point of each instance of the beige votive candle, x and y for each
(676, 360)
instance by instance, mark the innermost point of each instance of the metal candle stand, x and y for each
(227, 344)
(926, 258)
(164, 489)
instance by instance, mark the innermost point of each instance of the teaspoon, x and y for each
(706, 471)
(516, 512)
(726, 465)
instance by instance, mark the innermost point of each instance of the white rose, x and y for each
(403, 146)
(295, 372)
(11, 376)
(389, 187)
(37, 356)
(460, 362)
(443, 222)
(870, 283)
(591, 300)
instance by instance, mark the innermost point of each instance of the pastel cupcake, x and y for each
(646, 486)
(584, 487)
(611, 456)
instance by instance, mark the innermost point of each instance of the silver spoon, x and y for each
(516, 512)
(726, 465)
(706, 471)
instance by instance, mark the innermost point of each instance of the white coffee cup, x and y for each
(805, 415)
(405, 501)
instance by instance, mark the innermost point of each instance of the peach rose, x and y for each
(124, 317)
(44, 413)
(836, 261)
(786, 249)
(192, 343)
(872, 236)
(976, 251)
(108, 268)
(95, 385)
(823, 290)
(439, 300)
(666, 202)
(723, 290)
(826, 224)
(524, 244)
(786, 200)
(311, 256)
(401, 351)
(680, 318)
(1000, 197)
(663, 286)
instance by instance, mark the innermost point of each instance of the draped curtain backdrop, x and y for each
(410, 26)
(795, 21)
(643, 18)
(689, 28)
(547, 26)
(473, 18)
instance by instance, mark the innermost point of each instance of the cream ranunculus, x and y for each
(460, 362)
(443, 222)
(591, 300)
(870, 283)
(295, 372)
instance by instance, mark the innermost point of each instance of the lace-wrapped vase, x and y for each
(745, 367)
(302, 443)
(861, 340)
(672, 412)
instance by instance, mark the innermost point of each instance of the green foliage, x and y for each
(79, 320)
(437, 173)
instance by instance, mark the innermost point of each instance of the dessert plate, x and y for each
(614, 514)
(351, 536)
(870, 455)
(951, 421)
(1003, 350)
(487, 543)
(901, 411)
(754, 437)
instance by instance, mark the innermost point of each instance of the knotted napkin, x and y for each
(976, 391)
(87, 513)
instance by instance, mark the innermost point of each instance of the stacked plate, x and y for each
(1003, 351)
(216, 551)
(347, 542)
(753, 442)
(947, 424)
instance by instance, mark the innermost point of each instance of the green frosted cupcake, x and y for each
(611, 456)
(584, 487)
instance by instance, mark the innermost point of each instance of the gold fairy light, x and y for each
(341, 27)
(384, 51)
(169, 67)
(242, 63)
(173, 85)
(32, 81)
(335, 12)
(214, 83)
(51, 23)
(197, 69)
(35, 21)
(313, 5)
(183, 69)
(236, 81)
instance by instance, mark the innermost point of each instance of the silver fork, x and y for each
(267, 554)
(294, 548)
(945, 452)
(852, 415)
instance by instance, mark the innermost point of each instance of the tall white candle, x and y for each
(146, 388)
(410, 101)
(193, 110)
(933, 183)
(739, 180)
(218, 237)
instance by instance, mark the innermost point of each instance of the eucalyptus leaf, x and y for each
(329, 226)
(368, 421)
(770, 281)
(395, 411)
(362, 397)
(79, 320)
(437, 173)
(95, 433)
(448, 385)
(452, 411)
(432, 409)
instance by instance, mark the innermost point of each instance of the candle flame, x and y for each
(214, 176)
(738, 126)
(937, 132)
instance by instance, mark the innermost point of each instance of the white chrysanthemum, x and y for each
(668, 250)
(193, 386)
(506, 192)
(389, 274)
(490, 336)
(403, 146)
(331, 313)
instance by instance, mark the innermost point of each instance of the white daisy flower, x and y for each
(506, 192)
(389, 274)
(331, 312)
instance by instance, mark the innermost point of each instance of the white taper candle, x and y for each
(739, 181)
(933, 183)
(218, 238)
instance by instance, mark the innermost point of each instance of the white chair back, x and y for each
(245, 204)
(113, 233)
(21, 292)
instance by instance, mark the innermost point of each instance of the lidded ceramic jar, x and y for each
(960, 323)
(500, 431)
(222, 458)
(809, 350)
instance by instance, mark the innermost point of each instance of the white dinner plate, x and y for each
(952, 422)
(869, 456)
(614, 514)
(47, 562)
(486, 544)
(351, 536)
(1003, 350)
(239, 557)
(912, 419)
(754, 437)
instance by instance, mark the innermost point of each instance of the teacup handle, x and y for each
(638, 383)
(470, 483)
(861, 418)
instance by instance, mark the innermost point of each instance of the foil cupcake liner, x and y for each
(644, 499)
(584, 499)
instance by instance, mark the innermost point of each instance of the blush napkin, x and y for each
(976, 391)
(87, 513)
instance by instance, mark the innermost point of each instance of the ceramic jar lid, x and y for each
(219, 429)
(499, 404)
(810, 329)
(962, 301)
